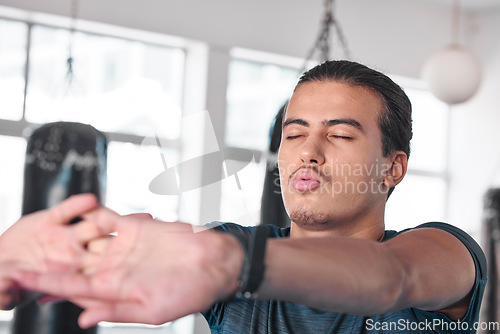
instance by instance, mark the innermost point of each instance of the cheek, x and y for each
(359, 170)
(283, 176)
(285, 167)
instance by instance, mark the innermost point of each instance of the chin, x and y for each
(308, 218)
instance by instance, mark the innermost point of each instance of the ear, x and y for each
(397, 166)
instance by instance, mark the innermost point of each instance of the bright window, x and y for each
(12, 151)
(417, 200)
(117, 85)
(131, 168)
(241, 204)
(422, 195)
(13, 39)
(256, 92)
(430, 124)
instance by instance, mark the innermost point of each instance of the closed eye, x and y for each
(341, 137)
(293, 137)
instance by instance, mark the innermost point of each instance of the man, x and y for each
(345, 146)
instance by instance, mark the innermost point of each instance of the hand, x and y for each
(43, 241)
(150, 272)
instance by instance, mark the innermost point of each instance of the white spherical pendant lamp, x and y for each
(453, 74)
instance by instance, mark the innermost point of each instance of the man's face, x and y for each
(331, 161)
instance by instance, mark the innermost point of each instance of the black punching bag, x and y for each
(490, 311)
(62, 159)
(272, 210)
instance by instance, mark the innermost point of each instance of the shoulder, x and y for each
(447, 266)
(442, 230)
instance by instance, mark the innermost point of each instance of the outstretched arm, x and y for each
(426, 268)
(156, 272)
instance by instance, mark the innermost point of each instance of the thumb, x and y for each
(91, 317)
(130, 312)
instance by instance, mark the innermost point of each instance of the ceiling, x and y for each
(472, 5)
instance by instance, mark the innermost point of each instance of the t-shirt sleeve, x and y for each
(472, 314)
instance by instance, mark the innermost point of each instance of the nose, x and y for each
(311, 152)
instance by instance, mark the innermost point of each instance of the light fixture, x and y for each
(68, 87)
(453, 73)
(75, 6)
(323, 44)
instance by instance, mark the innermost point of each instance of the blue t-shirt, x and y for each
(242, 316)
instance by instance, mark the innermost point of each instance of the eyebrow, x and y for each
(298, 121)
(332, 122)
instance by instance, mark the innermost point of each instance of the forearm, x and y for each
(344, 275)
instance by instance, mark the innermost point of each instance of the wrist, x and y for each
(253, 268)
(241, 262)
(230, 259)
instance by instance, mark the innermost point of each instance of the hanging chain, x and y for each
(74, 14)
(69, 60)
(455, 23)
(323, 42)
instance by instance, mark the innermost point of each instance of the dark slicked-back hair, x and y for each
(395, 118)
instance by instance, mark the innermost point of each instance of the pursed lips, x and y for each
(305, 179)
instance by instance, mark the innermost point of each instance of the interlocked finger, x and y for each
(86, 231)
(99, 246)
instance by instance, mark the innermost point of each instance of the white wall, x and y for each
(475, 151)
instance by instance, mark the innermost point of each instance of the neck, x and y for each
(371, 230)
